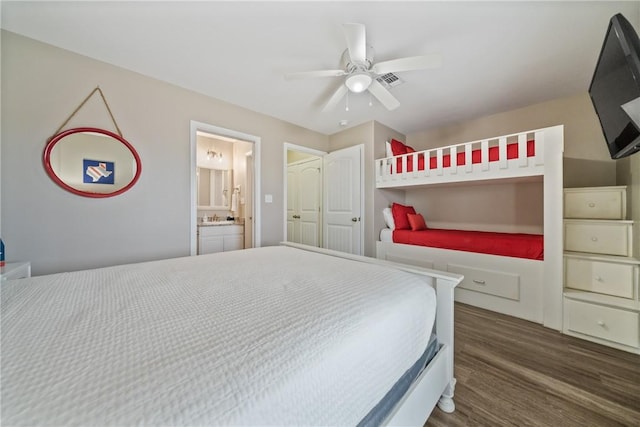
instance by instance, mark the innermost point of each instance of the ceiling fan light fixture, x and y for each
(358, 82)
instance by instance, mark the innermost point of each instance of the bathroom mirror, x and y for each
(214, 188)
(92, 162)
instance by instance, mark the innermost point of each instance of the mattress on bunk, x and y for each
(517, 245)
(476, 157)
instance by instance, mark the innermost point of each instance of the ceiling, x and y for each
(497, 56)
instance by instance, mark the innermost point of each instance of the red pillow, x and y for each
(410, 149)
(416, 221)
(400, 213)
(398, 148)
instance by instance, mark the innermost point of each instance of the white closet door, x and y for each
(304, 192)
(343, 200)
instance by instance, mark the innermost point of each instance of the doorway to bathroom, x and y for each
(224, 189)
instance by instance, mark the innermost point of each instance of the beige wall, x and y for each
(59, 231)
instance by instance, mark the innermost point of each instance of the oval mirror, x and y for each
(92, 162)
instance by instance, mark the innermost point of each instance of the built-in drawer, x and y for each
(598, 236)
(612, 324)
(605, 277)
(595, 202)
(498, 283)
(221, 230)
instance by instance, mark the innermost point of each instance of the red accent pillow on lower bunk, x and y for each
(400, 216)
(416, 221)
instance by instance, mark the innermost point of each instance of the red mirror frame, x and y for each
(58, 137)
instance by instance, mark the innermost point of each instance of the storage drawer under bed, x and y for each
(498, 283)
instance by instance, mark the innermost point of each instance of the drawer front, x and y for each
(611, 238)
(221, 230)
(598, 204)
(498, 283)
(601, 277)
(602, 322)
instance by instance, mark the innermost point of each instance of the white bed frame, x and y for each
(436, 383)
(527, 289)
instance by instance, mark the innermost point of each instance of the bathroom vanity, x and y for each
(220, 236)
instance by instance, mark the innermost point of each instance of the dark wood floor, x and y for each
(512, 372)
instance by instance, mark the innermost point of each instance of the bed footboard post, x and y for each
(444, 330)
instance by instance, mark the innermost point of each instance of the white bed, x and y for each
(524, 288)
(278, 335)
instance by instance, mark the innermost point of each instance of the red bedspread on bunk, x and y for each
(516, 245)
(476, 157)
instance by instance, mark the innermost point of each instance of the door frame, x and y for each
(196, 126)
(293, 147)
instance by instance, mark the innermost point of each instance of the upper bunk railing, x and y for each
(457, 163)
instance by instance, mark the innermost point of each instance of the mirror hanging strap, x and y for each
(97, 89)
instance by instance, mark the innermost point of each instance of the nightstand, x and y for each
(15, 270)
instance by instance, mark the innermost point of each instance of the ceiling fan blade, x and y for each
(408, 64)
(383, 95)
(319, 73)
(335, 98)
(356, 42)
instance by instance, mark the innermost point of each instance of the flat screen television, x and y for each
(615, 88)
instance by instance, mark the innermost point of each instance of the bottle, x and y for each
(1, 253)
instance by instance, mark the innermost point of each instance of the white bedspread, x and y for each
(275, 336)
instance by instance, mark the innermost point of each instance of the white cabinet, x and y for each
(220, 238)
(601, 278)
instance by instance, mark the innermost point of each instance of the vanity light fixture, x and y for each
(212, 155)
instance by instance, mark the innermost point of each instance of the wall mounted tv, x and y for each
(615, 88)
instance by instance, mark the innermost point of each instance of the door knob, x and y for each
(354, 219)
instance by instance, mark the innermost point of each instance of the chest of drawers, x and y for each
(601, 277)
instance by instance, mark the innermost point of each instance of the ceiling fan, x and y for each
(361, 73)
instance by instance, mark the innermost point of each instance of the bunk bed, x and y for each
(530, 286)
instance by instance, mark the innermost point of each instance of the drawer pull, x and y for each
(592, 205)
(479, 282)
(599, 279)
(594, 239)
(600, 323)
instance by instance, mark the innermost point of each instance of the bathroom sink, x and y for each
(221, 222)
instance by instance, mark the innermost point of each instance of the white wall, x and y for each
(59, 231)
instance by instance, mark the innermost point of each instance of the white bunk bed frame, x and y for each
(524, 288)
